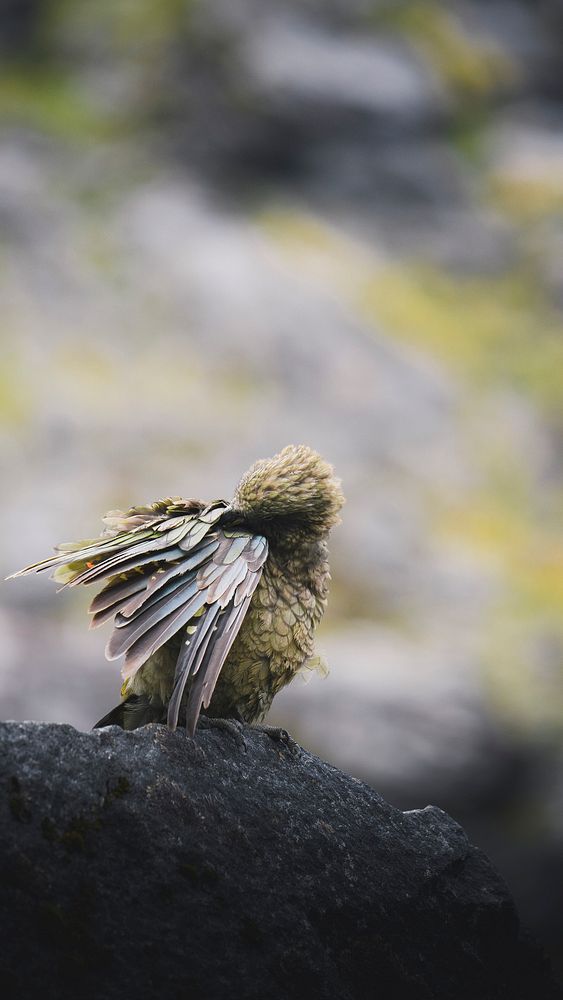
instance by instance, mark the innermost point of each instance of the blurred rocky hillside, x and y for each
(233, 224)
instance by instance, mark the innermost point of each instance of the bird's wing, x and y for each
(169, 569)
(165, 526)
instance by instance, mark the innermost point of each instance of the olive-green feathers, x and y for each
(212, 605)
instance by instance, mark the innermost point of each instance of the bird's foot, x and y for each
(280, 736)
(232, 726)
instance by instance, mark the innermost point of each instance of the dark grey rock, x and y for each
(145, 864)
(21, 25)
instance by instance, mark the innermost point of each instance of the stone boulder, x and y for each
(148, 865)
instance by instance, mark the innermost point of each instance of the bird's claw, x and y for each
(231, 726)
(281, 736)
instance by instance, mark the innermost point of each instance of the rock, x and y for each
(297, 61)
(146, 864)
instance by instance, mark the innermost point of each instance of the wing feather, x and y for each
(162, 576)
(155, 637)
(218, 591)
(171, 567)
(116, 590)
(202, 689)
(237, 546)
(101, 617)
(163, 532)
(123, 563)
(183, 600)
(188, 662)
(67, 553)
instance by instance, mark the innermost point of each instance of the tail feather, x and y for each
(135, 711)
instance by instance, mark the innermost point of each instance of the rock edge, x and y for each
(146, 864)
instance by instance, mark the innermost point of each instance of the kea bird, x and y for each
(214, 605)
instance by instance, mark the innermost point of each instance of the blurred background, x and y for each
(234, 224)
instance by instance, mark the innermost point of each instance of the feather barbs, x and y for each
(169, 569)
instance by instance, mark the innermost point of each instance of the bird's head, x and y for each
(294, 490)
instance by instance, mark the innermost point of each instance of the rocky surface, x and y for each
(146, 864)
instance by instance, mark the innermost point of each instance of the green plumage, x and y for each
(213, 605)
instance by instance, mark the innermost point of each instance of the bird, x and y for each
(214, 605)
